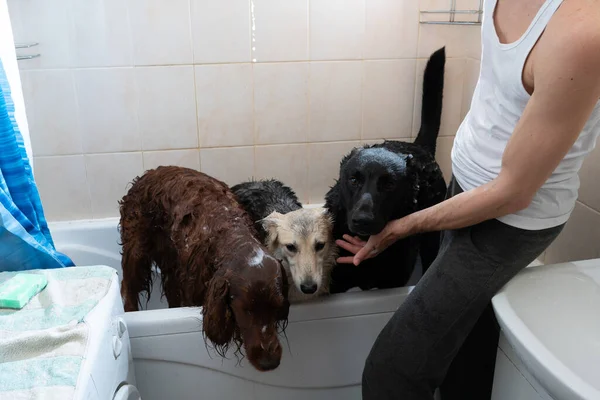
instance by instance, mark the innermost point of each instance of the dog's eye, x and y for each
(386, 183)
(319, 246)
(291, 248)
(354, 181)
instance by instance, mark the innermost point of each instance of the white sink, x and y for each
(550, 315)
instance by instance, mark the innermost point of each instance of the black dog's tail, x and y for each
(433, 91)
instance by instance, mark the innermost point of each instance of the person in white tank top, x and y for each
(534, 116)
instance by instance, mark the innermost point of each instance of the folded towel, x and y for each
(43, 345)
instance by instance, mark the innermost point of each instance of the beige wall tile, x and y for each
(460, 40)
(108, 102)
(388, 98)
(359, 86)
(101, 33)
(589, 191)
(579, 238)
(467, 5)
(453, 96)
(281, 103)
(443, 155)
(472, 68)
(281, 30)
(232, 165)
(50, 20)
(324, 166)
(161, 32)
(63, 188)
(288, 163)
(181, 158)
(52, 124)
(109, 177)
(167, 107)
(335, 101)
(221, 31)
(392, 29)
(224, 98)
(337, 29)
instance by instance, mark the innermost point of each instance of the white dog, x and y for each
(302, 240)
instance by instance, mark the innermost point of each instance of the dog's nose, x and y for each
(308, 287)
(362, 219)
(268, 363)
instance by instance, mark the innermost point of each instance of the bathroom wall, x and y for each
(235, 88)
(580, 239)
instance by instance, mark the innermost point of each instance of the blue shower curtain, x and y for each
(25, 241)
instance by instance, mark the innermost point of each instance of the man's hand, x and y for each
(393, 231)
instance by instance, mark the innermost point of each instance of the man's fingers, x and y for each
(354, 240)
(345, 260)
(352, 248)
(368, 251)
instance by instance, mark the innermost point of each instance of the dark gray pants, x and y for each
(445, 333)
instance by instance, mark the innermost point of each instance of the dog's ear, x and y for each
(270, 225)
(325, 216)
(271, 221)
(218, 321)
(409, 159)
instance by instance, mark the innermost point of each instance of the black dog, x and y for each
(261, 198)
(388, 181)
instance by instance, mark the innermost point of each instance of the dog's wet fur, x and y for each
(260, 198)
(192, 228)
(387, 181)
(300, 238)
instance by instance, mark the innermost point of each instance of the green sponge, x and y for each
(18, 290)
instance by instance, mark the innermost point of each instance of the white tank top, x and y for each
(498, 102)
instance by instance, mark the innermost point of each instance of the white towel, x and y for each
(42, 346)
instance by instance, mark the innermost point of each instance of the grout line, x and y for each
(254, 132)
(213, 148)
(194, 72)
(308, 129)
(251, 30)
(196, 109)
(308, 37)
(413, 134)
(136, 90)
(362, 100)
(191, 31)
(130, 32)
(88, 182)
(307, 176)
(78, 125)
(252, 38)
(37, 70)
(590, 208)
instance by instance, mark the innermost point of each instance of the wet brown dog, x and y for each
(192, 228)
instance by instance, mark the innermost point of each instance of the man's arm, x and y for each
(566, 75)
(567, 87)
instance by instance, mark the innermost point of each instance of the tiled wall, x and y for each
(235, 88)
(580, 239)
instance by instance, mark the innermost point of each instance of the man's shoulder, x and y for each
(573, 37)
(577, 24)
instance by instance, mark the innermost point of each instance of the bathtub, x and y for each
(327, 340)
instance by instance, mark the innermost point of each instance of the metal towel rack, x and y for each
(451, 13)
(26, 46)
